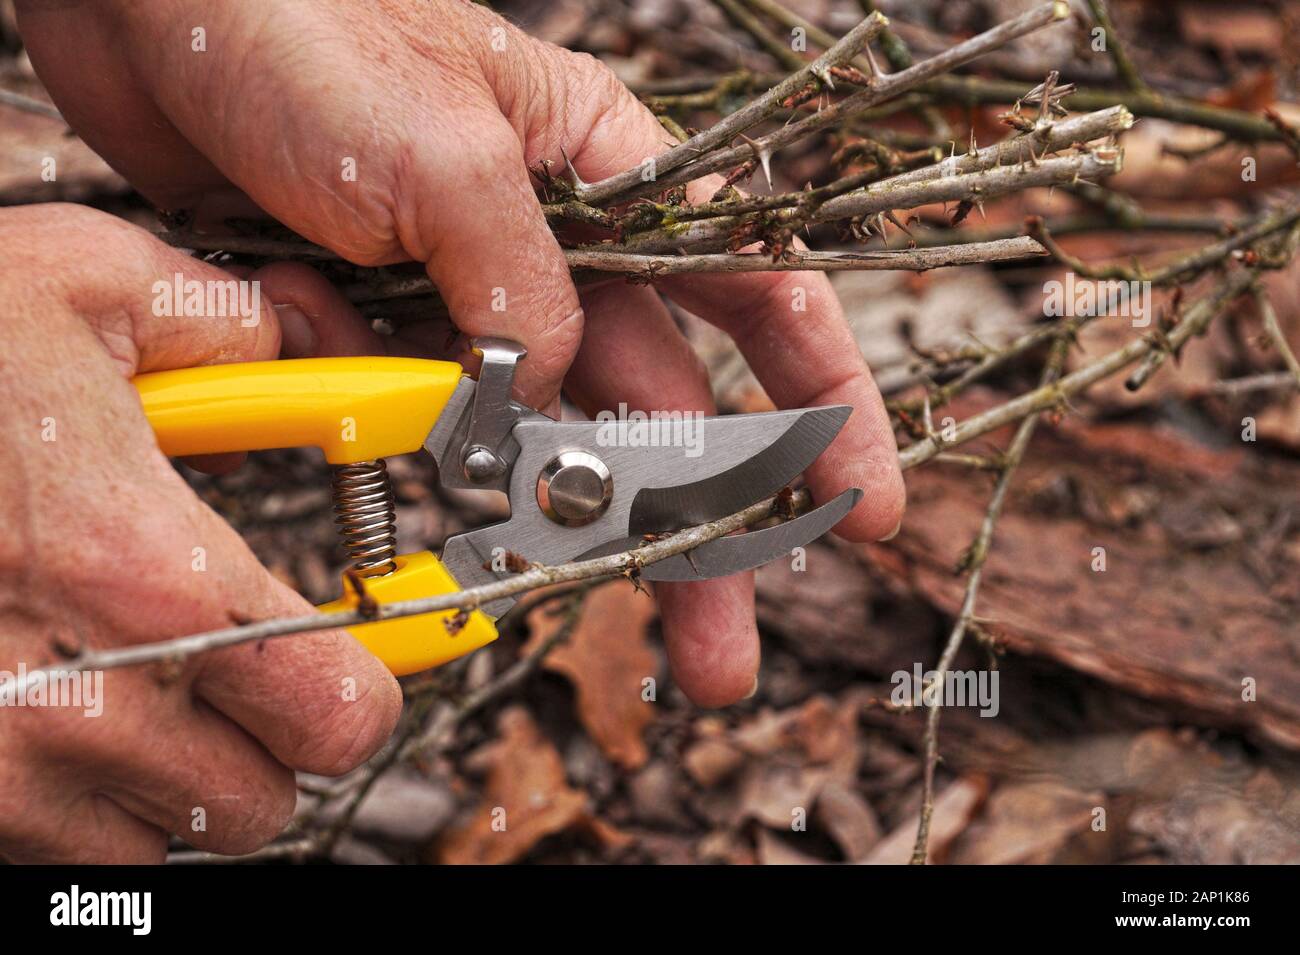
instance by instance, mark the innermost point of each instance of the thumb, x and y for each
(153, 307)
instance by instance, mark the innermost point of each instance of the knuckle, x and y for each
(556, 342)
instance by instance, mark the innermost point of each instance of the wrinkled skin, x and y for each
(441, 108)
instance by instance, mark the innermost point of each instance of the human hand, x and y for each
(393, 131)
(105, 545)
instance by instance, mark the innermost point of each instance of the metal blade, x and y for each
(737, 459)
(731, 555)
(682, 499)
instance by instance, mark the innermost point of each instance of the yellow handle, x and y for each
(353, 409)
(410, 644)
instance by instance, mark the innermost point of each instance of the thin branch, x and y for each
(913, 260)
(614, 565)
(1047, 396)
(712, 235)
(1269, 381)
(29, 105)
(295, 850)
(1119, 53)
(783, 53)
(1200, 260)
(974, 561)
(631, 184)
(1274, 331)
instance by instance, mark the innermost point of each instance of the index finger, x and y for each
(788, 325)
(792, 331)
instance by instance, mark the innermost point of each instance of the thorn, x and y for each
(871, 61)
(825, 77)
(571, 174)
(894, 219)
(764, 158)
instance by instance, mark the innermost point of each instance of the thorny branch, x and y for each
(974, 564)
(630, 186)
(626, 563)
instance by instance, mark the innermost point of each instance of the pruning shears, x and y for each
(576, 489)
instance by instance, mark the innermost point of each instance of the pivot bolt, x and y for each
(574, 488)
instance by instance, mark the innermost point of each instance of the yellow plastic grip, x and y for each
(353, 409)
(411, 644)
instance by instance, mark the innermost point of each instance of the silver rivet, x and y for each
(481, 465)
(574, 488)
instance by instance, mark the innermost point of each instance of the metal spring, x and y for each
(366, 514)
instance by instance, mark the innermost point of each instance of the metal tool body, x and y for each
(576, 488)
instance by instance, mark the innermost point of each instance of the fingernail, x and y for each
(297, 334)
(894, 533)
(753, 690)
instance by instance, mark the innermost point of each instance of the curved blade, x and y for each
(774, 465)
(731, 555)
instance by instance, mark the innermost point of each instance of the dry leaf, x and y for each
(606, 658)
(710, 761)
(526, 798)
(774, 850)
(1028, 823)
(849, 819)
(953, 809)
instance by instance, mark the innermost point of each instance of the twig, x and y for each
(295, 849)
(1200, 260)
(914, 260)
(1049, 395)
(974, 561)
(29, 105)
(471, 598)
(630, 184)
(1264, 382)
(711, 235)
(1274, 332)
(1123, 64)
(783, 53)
(1196, 320)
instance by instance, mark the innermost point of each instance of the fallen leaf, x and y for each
(606, 658)
(773, 850)
(1027, 823)
(525, 799)
(849, 819)
(953, 809)
(802, 750)
(710, 761)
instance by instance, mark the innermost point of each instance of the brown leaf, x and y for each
(710, 761)
(526, 798)
(802, 751)
(953, 809)
(1028, 823)
(774, 850)
(849, 819)
(606, 658)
